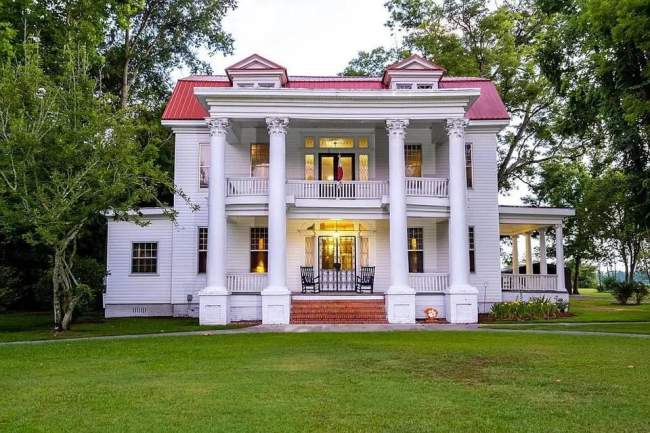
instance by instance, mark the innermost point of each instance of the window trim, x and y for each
(416, 250)
(471, 248)
(144, 274)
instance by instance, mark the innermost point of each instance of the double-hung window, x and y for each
(203, 250)
(468, 165)
(472, 250)
(259, 249)
(204, 165)
(416, 249)
(413, 159)
(260, 160)
(144, 258)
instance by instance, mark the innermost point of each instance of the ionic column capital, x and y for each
(456, 127)
(218, 126)
(397, 126)
(277, 125)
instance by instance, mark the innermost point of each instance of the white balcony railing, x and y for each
(347, 189)
(426, 187)
(529, 282)
(245, 282)
(428, 283)
(245, 186)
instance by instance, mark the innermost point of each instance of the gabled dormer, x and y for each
(257, 72)
(413, 73)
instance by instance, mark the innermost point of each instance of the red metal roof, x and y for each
(183, 105)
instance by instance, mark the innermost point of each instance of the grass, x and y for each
(38, 326)
(381, 382)
(592, 306)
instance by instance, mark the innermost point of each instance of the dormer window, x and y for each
(413, 73)
(246, 85)
(266, 85)
(256, 72)
(425, 86)
(403, 86)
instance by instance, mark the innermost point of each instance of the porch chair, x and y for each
(310, 283)
(365, 282)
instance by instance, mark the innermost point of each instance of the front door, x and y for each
(327, 166)
(337, 263)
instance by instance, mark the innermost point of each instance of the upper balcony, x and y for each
(420, 191)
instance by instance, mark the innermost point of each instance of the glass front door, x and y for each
(337, 263)
(329, 162)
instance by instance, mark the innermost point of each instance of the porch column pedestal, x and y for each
(276, 298)
(543, 268)
(214, 300)
(529, 253)
(461, 300)
(400, 298)
(559, 258)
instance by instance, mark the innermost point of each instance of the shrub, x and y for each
(534, 309)
(624, 290)
(640, 292)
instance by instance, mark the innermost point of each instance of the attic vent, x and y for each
(425, 86)
(139, 310)
(244, 84)
(403, 86)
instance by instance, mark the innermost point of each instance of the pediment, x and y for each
(415, 62)
(255, 62)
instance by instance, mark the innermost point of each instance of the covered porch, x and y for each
(529, 272)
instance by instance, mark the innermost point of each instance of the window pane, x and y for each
(472, 250)
(202, 249)
(363, 167)
(259, 261)
(468, 164)
(415, 249)
(260, 160)
(363, 142)
(416, 261)
(204, 165)
(416, 238)
(309, 142)
(413, 158)
(309, 167)
(336, 142)
(259, 249)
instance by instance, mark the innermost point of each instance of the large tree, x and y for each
(66, 154)
(501, 44)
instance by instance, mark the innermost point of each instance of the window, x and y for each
(363, 167)
(309, 167)
(472, 251)
(309, 142)
(144, 258)
(204, 165)
(404, 86)
(259, 160)
(365, 249)
(309, 251)
(336, 142)
(413, 158)
(203, 249)
(246, 85)
(416, 249)
(468, 164)
(259, 249)
(425, 86)
(363, 142)
(266, 85)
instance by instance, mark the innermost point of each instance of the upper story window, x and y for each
(336, 142)
(416, 249)
(260, 160)
(413, 159)
(144, 258)
(204, 165)
(266, 85)
(468, 165)
(245, 85)
(256, 85)
(424, 86)
(403, 86)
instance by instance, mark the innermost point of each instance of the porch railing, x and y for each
(245, 282)
(528, 282)
(429, 282)
(245, 186)
(426, 187)
(347, 189)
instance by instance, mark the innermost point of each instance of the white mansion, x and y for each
(342, 199)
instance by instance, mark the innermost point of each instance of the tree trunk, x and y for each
(124, 94)
(576, 276)
(56, 292)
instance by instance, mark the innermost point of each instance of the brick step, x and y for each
(335, 311)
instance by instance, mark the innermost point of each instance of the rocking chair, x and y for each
(365, 282)
(310, 283)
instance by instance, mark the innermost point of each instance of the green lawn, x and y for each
(38, 326)
(374, 382)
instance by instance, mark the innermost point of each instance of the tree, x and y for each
(147, 39)
(501, 44)
(372, 63)
(66, 154)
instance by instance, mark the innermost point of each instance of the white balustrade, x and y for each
(429, 282)
(245, 186)
(426, 187)
(347, 189)
(245, 282)
(529, 282)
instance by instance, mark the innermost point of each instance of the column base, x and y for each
(214, 306)
(276, 305)
(461, 304)
(400, 304)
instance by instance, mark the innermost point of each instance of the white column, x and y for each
(543, 269)
(515, 253)
(559, 258)
(214, 308)
(461, 297)
(529, 253)
(276, 298)
(400, 298)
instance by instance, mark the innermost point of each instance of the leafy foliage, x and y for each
(533, 309)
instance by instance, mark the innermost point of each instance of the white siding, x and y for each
(122, 287)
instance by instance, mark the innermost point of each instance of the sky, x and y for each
(310, 37)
